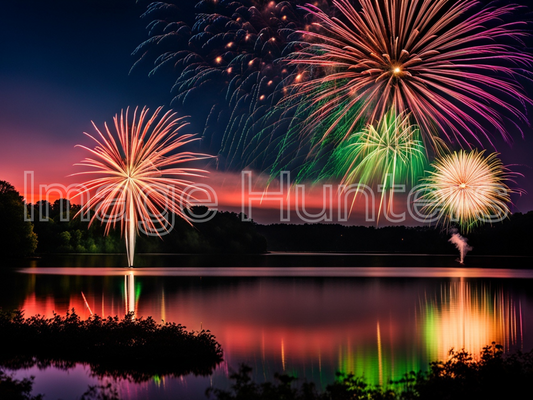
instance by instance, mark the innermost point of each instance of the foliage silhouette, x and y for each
(509, 237)
(17, 238)
(136, 349)
(15, 389)
(60, 232)
(493, 375)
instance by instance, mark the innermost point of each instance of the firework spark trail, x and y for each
(231, 50)
(444, 62)
(139, 173)
(389, 151)
(468, 188)
(86, 303)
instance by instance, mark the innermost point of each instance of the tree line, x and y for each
(512, 236)
(57, 228)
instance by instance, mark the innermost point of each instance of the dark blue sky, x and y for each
(65, 63)
(76, 54)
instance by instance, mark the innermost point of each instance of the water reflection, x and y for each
(461, 314)
(130, 299)
(312, 327)
(470, 316)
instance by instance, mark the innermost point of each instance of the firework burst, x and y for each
(453, 68)
(140, 178)
(386, 152)
(228, 56)
(468, 188)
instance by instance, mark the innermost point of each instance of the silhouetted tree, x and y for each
(15, 389)
(17, 238)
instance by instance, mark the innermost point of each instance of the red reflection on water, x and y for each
(382, 328)
(377, 322)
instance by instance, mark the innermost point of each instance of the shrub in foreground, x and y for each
(15, 389)
(493, 376)
(128, 347)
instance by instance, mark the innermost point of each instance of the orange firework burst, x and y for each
(139, 174)
(468, 188)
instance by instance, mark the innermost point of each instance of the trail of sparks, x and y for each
(453, 68)
(140, 179)
(388, 151)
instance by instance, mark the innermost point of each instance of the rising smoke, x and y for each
(461, 243)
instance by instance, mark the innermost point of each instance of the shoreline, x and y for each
(275, 260)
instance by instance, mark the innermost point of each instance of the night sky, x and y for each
(65, 63)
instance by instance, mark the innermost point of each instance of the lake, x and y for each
(309, 315)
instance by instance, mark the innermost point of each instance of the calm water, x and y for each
(375, 320)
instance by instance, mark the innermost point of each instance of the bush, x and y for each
(14, 389)
(493, 376)
(131, 348)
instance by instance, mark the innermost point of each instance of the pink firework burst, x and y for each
(452, 65)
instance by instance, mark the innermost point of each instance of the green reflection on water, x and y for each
(379, 362)
(440, 315)
(460, 316)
